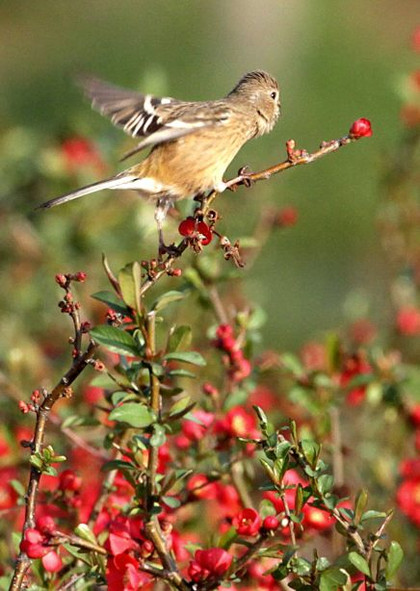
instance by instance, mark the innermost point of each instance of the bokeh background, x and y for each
(336, 61)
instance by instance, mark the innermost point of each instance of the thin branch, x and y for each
(61, 390)
(294, 158)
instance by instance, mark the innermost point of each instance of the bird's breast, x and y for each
(195, 163)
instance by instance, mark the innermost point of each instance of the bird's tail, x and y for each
(112, 183)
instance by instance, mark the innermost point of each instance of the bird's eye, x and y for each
(273, 95)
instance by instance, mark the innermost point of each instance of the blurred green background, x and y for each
(336, 61)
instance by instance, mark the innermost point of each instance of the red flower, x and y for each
(36, 545)
(123, 574)
(237, 423)
(353, 367)
(408, 498)
(69, 481)
(360, 128)
(415, 416)
(121, 536)
(316, 518)
(201, 488)
(195, 230)
(247, 522)
(194, 431)
(408, 321)
(211, 563)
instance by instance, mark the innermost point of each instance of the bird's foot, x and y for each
(244, 178)
(171, 250)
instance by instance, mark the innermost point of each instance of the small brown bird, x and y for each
(192, 142)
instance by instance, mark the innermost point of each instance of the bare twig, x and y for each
(61, 390)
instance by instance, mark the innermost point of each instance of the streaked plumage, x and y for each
(192, 142)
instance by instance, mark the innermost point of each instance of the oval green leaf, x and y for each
(192, 357)
(115, 340)
(134, 414)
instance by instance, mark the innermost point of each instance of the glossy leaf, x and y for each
(180, 338)
(166, 299)
(129, 279)
(333, 578)
(360, 563)
(179, 406)
(192, 357)
(134, 414)
(115, 340)
(395, 558)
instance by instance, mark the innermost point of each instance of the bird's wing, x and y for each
(155, 119)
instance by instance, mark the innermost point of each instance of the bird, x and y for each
(192, 142)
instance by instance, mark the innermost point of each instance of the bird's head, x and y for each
(261, 91)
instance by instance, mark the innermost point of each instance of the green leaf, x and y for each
(360, 504)
(134, 414)
(121, 396)
(112, 301)
(292, 363)
(360, 563)
(115, 340)
(18, 487)
(129, 279)
(84, 532)
(192, 357)
(299, 500)
(180, 338)
(181, 373)
(311, 450)
(394, 559)
(227, 538)
(333, 352)
(325, 483)
(36, 462)
(179, 406)
(167, 298)
(172, 502)
(79, 421)
(373, 515)
(332, 579)
(117, 465)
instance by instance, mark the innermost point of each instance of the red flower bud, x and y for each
(80, 276)
(360, 128)
(61, 279)
(271, 523)
(23, 407)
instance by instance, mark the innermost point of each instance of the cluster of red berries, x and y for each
(198, 233)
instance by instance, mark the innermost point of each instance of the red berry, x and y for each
(271, 523)
(187, 227)
(360, 128)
